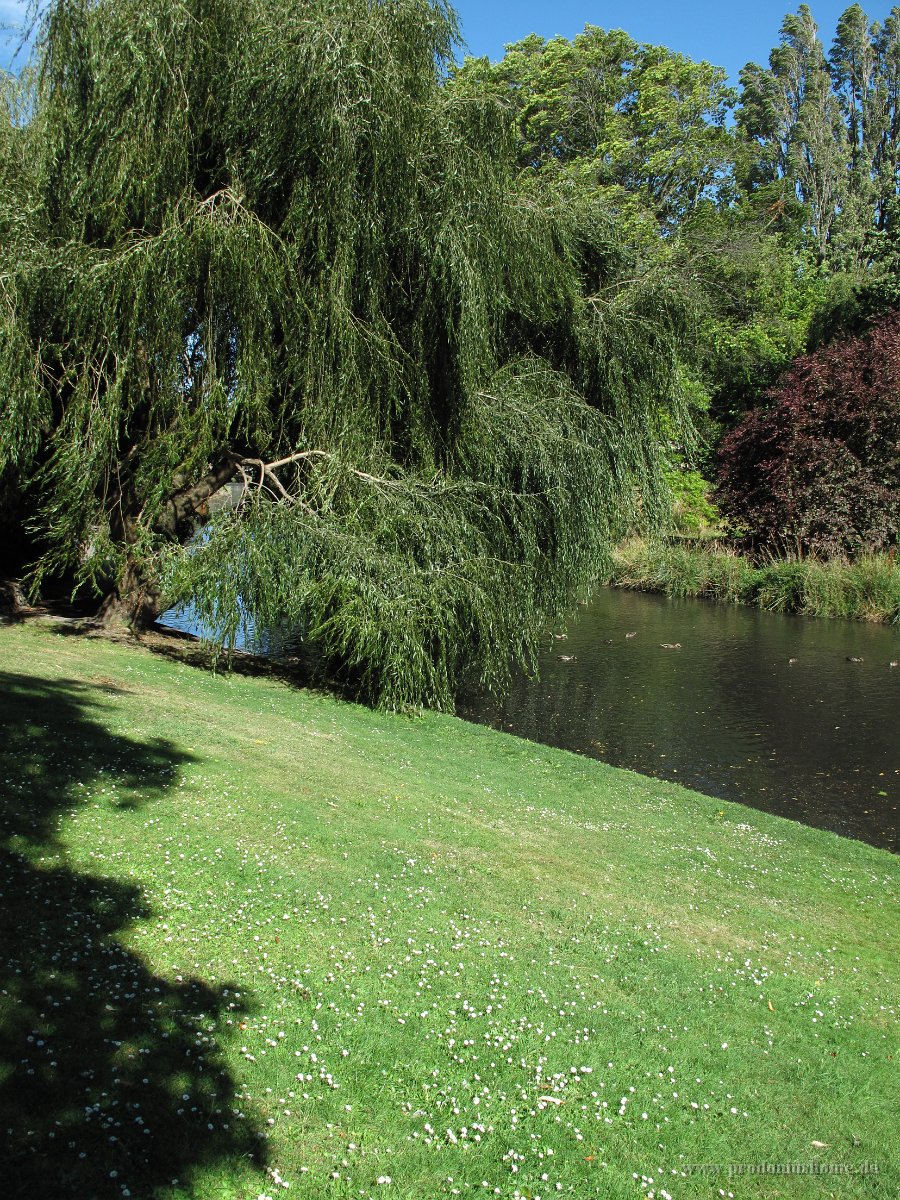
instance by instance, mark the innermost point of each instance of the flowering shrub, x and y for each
(819, 471)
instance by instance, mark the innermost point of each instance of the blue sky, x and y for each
(10, 12)
(726, 33)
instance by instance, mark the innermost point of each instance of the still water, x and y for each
(754, 707)
(763, 709)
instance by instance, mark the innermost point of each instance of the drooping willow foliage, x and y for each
(256, 239)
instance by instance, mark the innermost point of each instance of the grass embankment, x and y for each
(253, 935)
(865, 590)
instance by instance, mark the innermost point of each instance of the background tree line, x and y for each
(776, 204)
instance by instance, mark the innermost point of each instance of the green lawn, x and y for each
(256, 937)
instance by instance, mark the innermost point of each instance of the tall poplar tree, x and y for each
(826, 131)
(790, 114)
(259, 241)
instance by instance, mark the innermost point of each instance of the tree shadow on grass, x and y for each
(110, 1081)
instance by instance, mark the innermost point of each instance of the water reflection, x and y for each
(763, 709)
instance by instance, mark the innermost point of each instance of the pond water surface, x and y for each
(755, 707)
(763, 709)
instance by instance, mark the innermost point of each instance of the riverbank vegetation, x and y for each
(809, 489)
(867, 589)
(255, 937)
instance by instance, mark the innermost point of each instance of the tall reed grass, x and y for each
(865, 590)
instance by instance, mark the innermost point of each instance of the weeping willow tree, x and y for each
(257, 240)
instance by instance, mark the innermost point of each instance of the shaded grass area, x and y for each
(865, 590)
(369, 955)
(106, 1071)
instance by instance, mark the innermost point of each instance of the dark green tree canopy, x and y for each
(257, 240)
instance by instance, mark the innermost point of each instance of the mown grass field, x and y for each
(260, 942)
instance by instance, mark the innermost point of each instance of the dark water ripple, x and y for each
(729, 714)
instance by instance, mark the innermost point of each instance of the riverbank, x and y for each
(866, 590)
(272, 937)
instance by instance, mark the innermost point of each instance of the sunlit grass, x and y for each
(457, 963)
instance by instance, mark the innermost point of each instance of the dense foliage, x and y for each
(783, 227)
(646, 125)
(821, 130)
(444, 322)
(819, 471)
(759, 294)
(246, 240)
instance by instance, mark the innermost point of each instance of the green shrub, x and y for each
(692, 510)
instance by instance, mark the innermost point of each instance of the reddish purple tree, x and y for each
(818, 472)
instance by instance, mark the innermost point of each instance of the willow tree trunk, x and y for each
(136, 600)
(133, 604)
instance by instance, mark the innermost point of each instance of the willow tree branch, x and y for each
(267, 469)
(181, 508)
